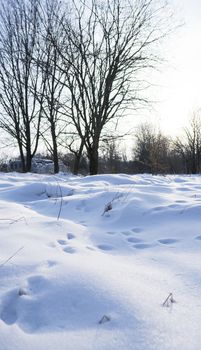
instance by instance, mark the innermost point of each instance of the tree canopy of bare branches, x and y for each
(51, 16)
(21, 79)
(189, 147)
(109, 44)
(74, 68)
(152, 149)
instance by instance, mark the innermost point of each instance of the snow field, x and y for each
(90, 262)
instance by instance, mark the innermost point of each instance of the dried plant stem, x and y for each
(12, 256)
(12, 221)
(169, 300)
(61, 202)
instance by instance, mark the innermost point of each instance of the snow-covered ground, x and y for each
(75, 250)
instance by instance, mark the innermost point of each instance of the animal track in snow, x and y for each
(126, 233)
(142, 246)
(69, 250)
(51, 263)
(65, 244)
(137, 229)
(111, 232)
(12, 302)
(62, 241)
(168, 241)
(48, 264)
(198, 238)
(105, 247)
(9, 304)
(134, 240)
(158, 208)
(70, 236)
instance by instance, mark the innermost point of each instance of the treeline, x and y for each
(157, 153)
(153, 152)
(69, 70)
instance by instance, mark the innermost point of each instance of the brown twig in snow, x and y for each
(169, 300)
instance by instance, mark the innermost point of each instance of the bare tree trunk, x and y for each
(28, 149)
(93, 160)
(54, 149)
(22, 157)
(76, 164)
(194, 169)
(77, 159)
(28, 162)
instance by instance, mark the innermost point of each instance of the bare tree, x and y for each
(21, 79)
(151, 149)
(53, 121)
(189, 147)
(109, 44)
(73, 144)
(77, 151)
(144, 138)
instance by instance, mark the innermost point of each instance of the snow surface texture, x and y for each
(95, 259)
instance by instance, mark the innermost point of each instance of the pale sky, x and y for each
(179, 91)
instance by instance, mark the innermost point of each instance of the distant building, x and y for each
(39, 166)
(14, 165)
(42, 166)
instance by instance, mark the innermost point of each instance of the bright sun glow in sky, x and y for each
(179, 92)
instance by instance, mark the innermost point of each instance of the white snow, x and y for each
(95, 246)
